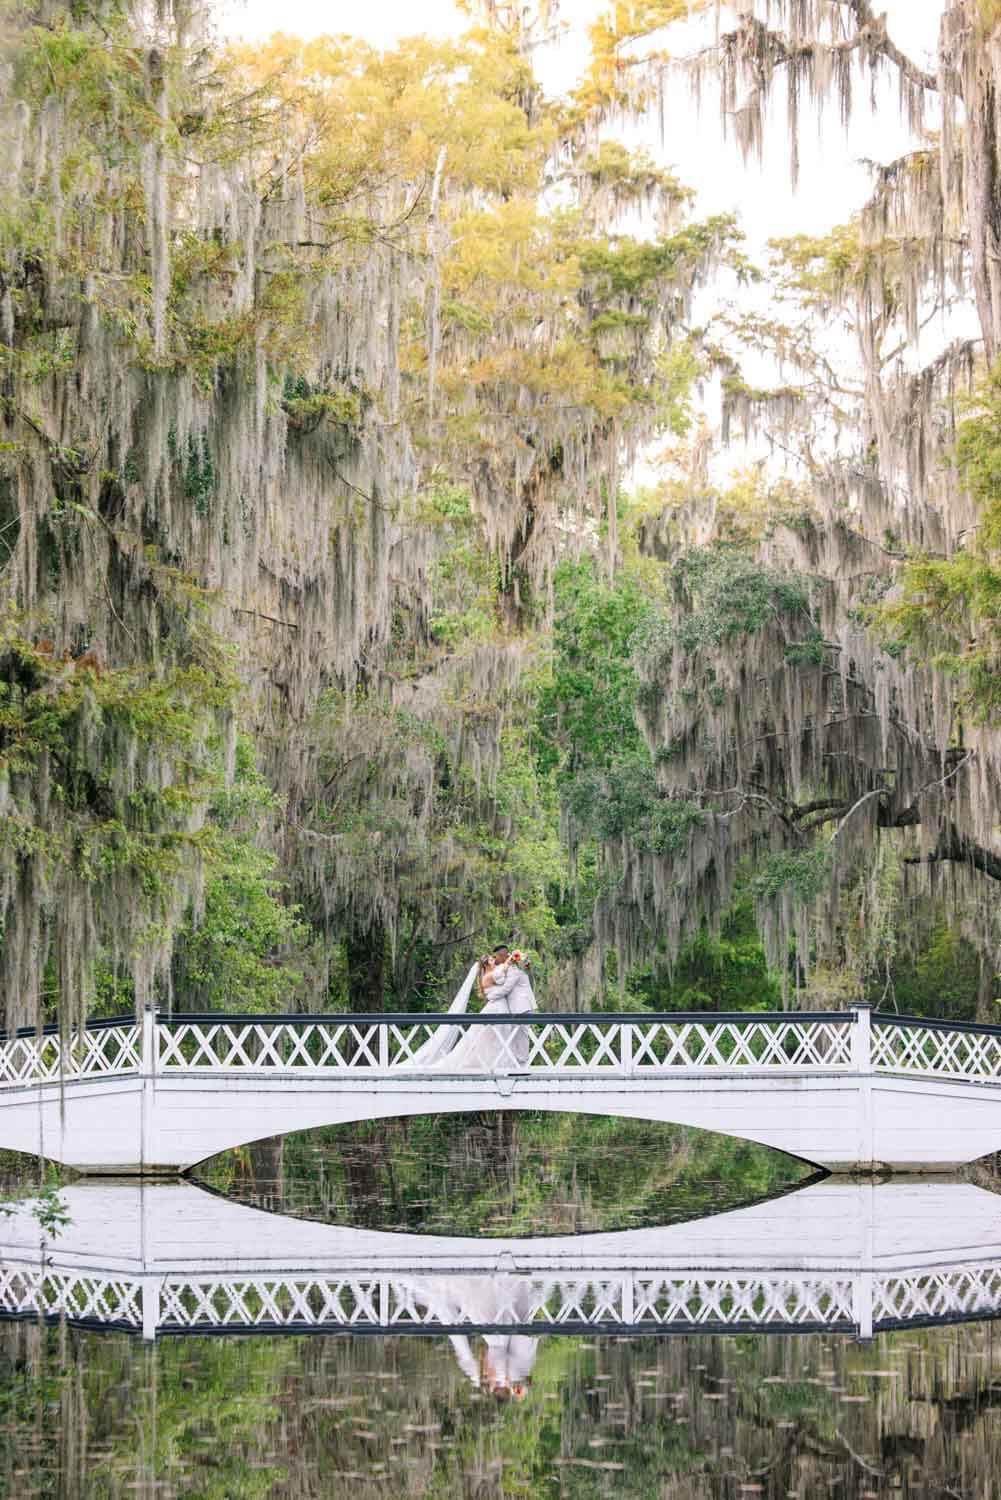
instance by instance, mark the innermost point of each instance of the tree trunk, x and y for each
(366, 959)
(267, 1161)
(980, 68)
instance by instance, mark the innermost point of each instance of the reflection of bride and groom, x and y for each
(503, 1365)
(506, 989)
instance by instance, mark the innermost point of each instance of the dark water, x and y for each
(91, 1414)
(526, 1174)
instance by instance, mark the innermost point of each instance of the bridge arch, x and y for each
(332, 1113)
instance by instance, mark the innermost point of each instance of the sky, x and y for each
(833, 180)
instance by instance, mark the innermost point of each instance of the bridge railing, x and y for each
(105, 1047)
(602, 1043)
(629, 1045)
(640, 1301)
(939, 1049)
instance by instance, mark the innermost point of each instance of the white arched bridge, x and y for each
(846, 1257)
(848, 1091)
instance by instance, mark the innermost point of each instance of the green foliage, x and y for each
(802, 873)
(586, 712)
(732, 595)
(239, 953)
(80, 720)
(49, 1210)
(724, 972)
(307, 407)
(625, 801)
(465, 576)
(948, 612)
(810, 651)
(199, 474)
(941, 979)
(45, 704)
(636, 268)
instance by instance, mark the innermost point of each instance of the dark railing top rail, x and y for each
(53, 1028)
(411, 1018)
(523, 1018)
(936, 1023)
(576, 1328)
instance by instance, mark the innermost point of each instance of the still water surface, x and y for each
(492, 1175)
(90, 1414)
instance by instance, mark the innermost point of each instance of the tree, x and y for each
(819, 688)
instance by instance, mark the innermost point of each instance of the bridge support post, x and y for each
(862, 1306)
(628, 1298)
(150, 1294)
(862, 1064)
(147, 1053)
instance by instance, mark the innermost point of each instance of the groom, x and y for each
(515, 987)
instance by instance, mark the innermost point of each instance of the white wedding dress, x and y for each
(480, 1049)
(481, 1300)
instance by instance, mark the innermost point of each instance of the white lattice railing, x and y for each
(548, 1044)
(934, 1050)
(82, 1297)
(30, 1058)
(627, 1301)
(624, 1301)
(955, 1292)
(630, 1046)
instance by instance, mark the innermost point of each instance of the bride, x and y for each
(502, 1367)
(507, 990)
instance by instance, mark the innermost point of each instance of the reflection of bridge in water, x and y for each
(855, 1258)
(846, 1090)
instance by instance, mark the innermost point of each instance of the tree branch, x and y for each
(955, 847)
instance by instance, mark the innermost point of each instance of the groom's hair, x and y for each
(501, 948)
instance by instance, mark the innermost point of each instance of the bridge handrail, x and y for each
(627, 1043)
(535, 1017)
(530, 1041)
(934, 1023)
(53, 1028)
(909, 1044)
(112, 1048)
(581, 1301)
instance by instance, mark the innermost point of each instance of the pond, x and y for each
(503, 1174)
(581, 1232)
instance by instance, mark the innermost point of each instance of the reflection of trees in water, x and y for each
(507, 1173)
(92, 1416)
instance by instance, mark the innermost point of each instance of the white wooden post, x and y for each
(384, 1045)
(628, 1299)
(862, 1305)
(627, 1048)
(147, 1069)
(150, 1293)
(862, 1038)
(862, 1065)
